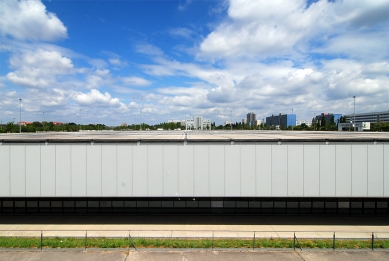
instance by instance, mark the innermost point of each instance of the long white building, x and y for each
(206, 172)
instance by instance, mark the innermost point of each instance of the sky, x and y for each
(132, 61)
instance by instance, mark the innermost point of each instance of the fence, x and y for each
(43, 240)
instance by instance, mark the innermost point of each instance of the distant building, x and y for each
(173, 121)
(251, 119)
(281, 120)
(358, 126)
(198, 123)
(307, 122)
(228, 123)
(244, 121)
(371, 117)
(328, 117)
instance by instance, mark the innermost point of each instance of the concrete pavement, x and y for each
(197, 226)
(156, 255)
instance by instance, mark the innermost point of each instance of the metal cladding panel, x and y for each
(327, 170)
(62, 171)
(375, 171)
(139, 178)
(170, 170)
(343, 170)
(93, 168)
(201, 170)
(155, 171)
(216, 170)
(18, 170)
(386, 170)
(4, 171)
(124, 170)
(359, 170)
(279, 163)
(33, 170)
(78, 170)
(247, 171)
(185, 171)
(108, 171)
(232, 170)
(48, 178)
(311, 170)
(295, 170)
(263, 170)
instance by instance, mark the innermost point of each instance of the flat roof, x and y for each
(193, 136)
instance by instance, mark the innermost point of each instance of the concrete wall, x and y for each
(295, 169)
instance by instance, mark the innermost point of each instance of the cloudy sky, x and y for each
(107, 61)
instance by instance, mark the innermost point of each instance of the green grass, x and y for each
(102, 242)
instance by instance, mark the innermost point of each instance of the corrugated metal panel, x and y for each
(93, 170)
(18, 170)
(33, 170)
(155, 170)
(295, 170)
(124, 171)
(109, 173)
(327, 170)
(343, 170)
(48, 177)
(285, 170)
(4, 171)
(201, 171)
(375, 168)
(359, 170)
(312, 170)
(186, 171)
(247, 170)
(232, 170)
(78, 170)
(62, 171)
(216, 170)
(139, 178)
(170, 170)
(263, 170)
(279, 166)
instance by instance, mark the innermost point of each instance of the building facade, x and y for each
(251, 119)
(281, 120)
(371, 117)
(328, 117)
(198, 123)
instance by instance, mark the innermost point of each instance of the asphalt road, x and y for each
(167, 255)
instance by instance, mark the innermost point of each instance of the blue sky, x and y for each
(105, 61)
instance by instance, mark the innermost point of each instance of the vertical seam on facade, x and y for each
(40, 169)
(9, 171)
(287, 170)
(240, 169)
(86, 170)
(224, 171)
(55, 170)
(163, 169)
(209, 171)
(71, 180)
(319, 168)
(178, 170)
(352, 163)
(117, 168)
(255, 170)
(101, 170)
(147, 170)
(194, 169)
(271, 170)
(303, 171)
(25, 170)
(132, 170)
(367, 170)
(335, 171)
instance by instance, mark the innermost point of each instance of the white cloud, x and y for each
(38, 69)
(29, 20)
(135, 81)
(97, 98)
(181, 32)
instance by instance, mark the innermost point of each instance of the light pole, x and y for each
(20, 112)
(231, 121)
(80, 119)
(135, 120)
(314, 118)
(292, 118)
(354, 112)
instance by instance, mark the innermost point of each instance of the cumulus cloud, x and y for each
(38, 69)
(29, 20)
(97, 98)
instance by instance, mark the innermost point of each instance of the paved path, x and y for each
(197, 255)
(197, 226)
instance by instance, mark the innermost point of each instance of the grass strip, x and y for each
(103, 242)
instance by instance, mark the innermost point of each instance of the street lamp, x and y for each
(231, 121)
(20, 111)
(354, 112)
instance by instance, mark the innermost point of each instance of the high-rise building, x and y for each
(281, 120)
(251, 119)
